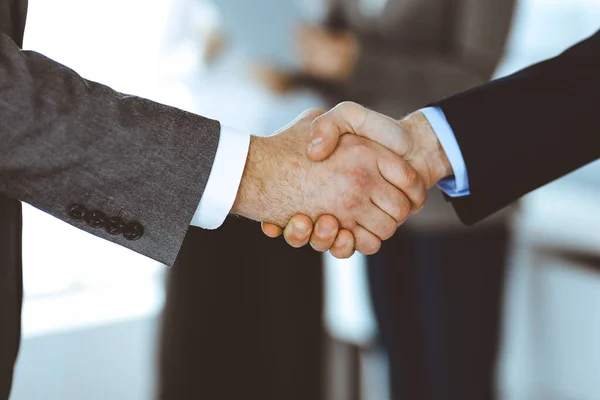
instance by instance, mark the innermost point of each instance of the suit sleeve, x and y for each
(521, 132)
(67, 141)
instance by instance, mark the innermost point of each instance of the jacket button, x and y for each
(95, 219)
(133, 231)
(115, 226)
(76, 212)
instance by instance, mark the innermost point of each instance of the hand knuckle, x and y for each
(348, 223)
(352, 142)
(352, 201)
(389, 229)
(410, 175)
(347, 105)
(318, 125)
(312, 113)
(422, 200)
(361, 177)
(404, 209)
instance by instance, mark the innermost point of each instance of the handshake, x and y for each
(354, 173)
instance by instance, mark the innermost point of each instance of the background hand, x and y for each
(325, 54)
(274, 78)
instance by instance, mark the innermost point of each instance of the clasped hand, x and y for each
(358, 176)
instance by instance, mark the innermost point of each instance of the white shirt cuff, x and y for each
(224, 179)
(458, 185)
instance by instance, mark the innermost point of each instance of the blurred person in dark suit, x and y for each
(436, 287)
(243, 323)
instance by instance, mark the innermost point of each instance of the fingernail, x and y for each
(341, 242)
(298, 230)
(323, 232)
(316, 145)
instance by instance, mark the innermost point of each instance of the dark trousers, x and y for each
(437, 299)
(243, 318)
(11, 290)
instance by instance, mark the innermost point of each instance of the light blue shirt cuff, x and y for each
(457, 185)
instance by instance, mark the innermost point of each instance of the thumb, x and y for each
(353, 118)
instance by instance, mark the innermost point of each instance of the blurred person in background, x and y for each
(243, 322)
(436, 288)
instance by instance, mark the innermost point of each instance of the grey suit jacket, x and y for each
(414, 52)
(65, 140)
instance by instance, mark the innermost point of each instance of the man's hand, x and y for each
(357, 184)
(330, 56)
(412, 138)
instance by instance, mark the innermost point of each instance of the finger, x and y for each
(298, 230)
(325, 233)
(308, 35)
(352, 118)
(305, 36)
(343, 247)
(327, 129)
(365, 242)
(271, 230)
(393, 202)
(378, 222)
(404, 177)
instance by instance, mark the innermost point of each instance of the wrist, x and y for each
(427, 154)
(248, 192)
(270, 181)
